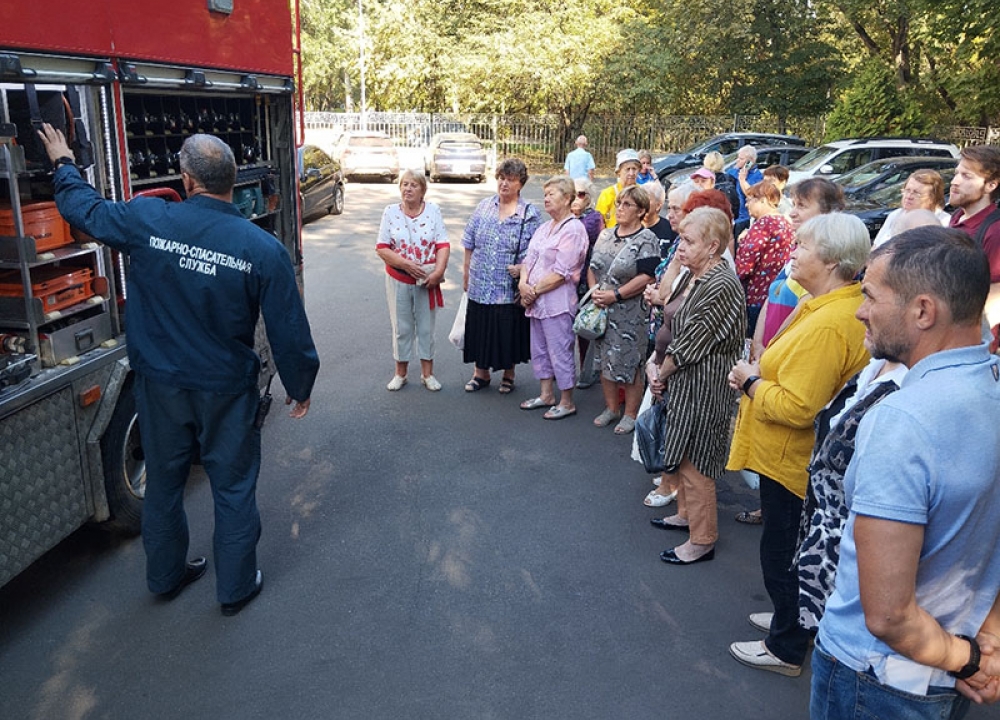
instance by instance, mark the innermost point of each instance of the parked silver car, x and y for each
(368, 153)
(455, 155)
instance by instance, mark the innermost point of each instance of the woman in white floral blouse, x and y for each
(413, 244)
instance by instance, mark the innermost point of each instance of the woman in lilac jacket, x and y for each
(547, 285)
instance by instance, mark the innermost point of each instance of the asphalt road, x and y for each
(425, 555)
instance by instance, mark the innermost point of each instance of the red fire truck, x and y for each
(126, 82)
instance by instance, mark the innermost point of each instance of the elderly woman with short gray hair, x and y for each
(548, 279)
(413, 244)
(694, 352)
(802, 369)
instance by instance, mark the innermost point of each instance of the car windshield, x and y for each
(698, 147)
(315, 157)
(812, 160)
(370, 141)
(890, 195)
(861, 175)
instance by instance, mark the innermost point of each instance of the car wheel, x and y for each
(124, 467)
(338, 200)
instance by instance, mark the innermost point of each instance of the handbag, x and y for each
(591, 321)
(650, 430)
(457, 335)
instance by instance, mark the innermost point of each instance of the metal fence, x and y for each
(965, 136)
(544, 140)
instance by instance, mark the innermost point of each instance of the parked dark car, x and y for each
(766, 156)
(321, 183)
(368, 153)
(861, 182)
(455, 155)
(725, 144)
(875, 207)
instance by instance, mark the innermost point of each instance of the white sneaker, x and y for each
(761, 620)
(755, 654)
(430, 382)
(396, 383)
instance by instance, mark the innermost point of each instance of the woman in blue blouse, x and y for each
(497, 334)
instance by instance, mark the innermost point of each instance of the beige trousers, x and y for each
(696, 503)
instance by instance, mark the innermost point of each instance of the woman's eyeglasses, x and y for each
(581, 193)
(626, 204)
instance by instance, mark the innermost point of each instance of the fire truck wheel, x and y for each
(338, 200)
(124, 467)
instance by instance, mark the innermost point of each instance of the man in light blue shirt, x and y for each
(579, 162)
(913, 624)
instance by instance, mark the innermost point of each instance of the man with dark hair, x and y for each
(914, 621)
(974, 191)
(200, 276)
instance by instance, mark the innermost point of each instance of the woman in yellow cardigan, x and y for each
(801, 370)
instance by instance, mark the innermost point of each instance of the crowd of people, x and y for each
(774, 308)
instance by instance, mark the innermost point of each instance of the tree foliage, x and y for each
(874, 105)
(571, 58)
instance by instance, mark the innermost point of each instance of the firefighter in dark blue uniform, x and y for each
(199, 276)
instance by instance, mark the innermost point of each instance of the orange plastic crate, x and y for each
(56, 287)
(42, 221)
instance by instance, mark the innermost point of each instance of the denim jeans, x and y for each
(781, 509)
(840, 693)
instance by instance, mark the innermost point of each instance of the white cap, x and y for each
(624, 156)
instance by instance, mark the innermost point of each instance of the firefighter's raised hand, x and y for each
(300, 408)
(55, 142)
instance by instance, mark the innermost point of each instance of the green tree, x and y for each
(764, 56)
(942, 53)
(329, 52)
(573, 58)
(873, 105)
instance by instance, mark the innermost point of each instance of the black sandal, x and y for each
(506, 386)
(476, 384)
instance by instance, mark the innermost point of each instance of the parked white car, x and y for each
(838, 157)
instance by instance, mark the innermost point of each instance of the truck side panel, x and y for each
(42, 487)
(179, 32)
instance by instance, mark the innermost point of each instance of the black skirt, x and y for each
(497, 337)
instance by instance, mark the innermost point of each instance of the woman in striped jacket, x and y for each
(707, 334)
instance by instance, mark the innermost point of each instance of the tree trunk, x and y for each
(901, 51)
(571, 120)
(941, 89)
